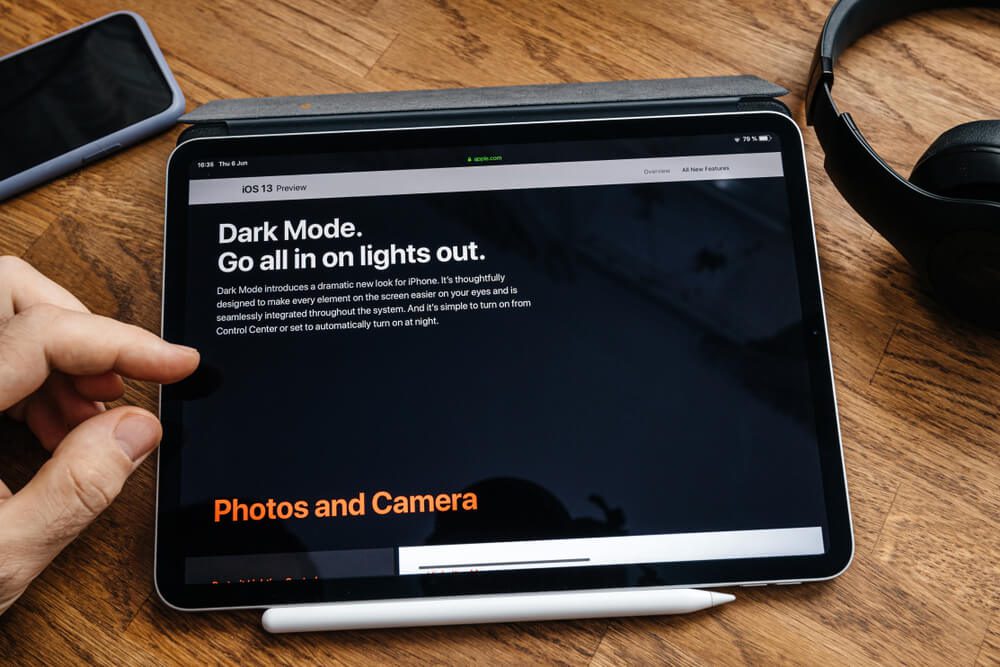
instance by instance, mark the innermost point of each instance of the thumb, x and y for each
(86, 472)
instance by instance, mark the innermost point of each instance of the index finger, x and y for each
(23, 286)
(44, 338)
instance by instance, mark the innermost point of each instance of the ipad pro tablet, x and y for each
(504, 358)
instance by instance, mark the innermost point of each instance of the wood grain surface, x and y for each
(918, 391)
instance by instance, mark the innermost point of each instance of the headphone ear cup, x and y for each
(964, 162)
(964, 265)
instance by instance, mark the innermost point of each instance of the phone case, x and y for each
(95, 150)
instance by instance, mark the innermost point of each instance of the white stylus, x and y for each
(491, 609)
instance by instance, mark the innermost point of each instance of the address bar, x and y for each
(485, 178)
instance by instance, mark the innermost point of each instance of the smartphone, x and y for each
(80, 96)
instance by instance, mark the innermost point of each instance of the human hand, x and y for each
(58, 363)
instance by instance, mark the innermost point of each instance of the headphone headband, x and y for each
(934, 233)
(849, 20)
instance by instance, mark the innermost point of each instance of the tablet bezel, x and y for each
(169, 559)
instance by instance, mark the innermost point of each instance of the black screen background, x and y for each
(74, 90)
(660, 368)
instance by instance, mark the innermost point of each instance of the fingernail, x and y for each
(137, 435)
(189, 350)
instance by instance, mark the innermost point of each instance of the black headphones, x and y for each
(945, 220)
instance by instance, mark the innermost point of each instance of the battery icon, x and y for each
(764, 137)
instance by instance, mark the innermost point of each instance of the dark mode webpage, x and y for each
(495, 366)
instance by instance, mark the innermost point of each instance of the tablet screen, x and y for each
(523, 357)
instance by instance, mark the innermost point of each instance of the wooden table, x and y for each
(918, 392)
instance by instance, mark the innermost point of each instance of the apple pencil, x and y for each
(491, 609)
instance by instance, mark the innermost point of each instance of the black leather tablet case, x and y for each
(409, 108)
